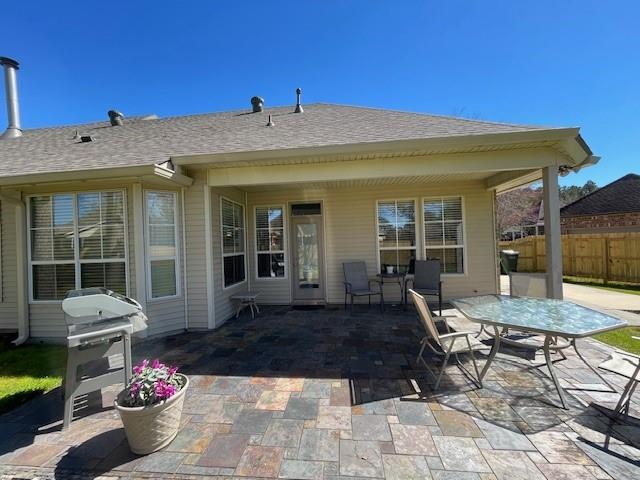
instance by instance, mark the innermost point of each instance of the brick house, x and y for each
(612, 208)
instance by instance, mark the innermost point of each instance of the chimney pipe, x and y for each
(299, 108)
(13, 108)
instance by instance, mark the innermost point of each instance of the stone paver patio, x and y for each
(321, 394)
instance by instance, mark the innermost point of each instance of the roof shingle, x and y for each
(148, 142)
(620, 196)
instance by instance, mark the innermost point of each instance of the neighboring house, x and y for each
(182, 213)
(532, 224)
(612, 208)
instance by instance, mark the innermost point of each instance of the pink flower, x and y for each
(172, 371)
(156, 364)
(163, 390)
(145, 363)
(134, 389)
(138, 369)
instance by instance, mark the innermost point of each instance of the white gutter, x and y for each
(21, 268)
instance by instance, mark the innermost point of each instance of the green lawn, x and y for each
(621, 339)
(28, 371)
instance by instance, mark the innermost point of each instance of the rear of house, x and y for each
(183, 213)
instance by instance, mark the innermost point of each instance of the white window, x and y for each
(162, 244)
(396, 234)
(444, 232)
(77, 241)
(270, 242)
(233, 234)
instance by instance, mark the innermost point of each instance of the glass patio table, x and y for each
(547, 317)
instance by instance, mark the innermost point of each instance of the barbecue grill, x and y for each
(99, 326)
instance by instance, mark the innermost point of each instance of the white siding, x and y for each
(350, 234)
(8, 302)
(196, 256)
(222, 296)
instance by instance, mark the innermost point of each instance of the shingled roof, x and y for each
(620, 196)
(153, 141)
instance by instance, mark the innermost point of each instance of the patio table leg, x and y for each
(575, 347)
(492, 354)
(547, 356)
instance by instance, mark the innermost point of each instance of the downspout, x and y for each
(184, 262)
(21, 268)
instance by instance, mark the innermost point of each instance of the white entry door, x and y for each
(307, 258)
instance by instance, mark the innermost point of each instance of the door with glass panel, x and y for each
(307, 253)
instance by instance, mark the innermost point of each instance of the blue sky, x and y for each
(559, 63)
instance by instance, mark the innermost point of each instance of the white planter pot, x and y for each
(151, 428)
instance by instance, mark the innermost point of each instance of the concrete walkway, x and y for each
(618, 304)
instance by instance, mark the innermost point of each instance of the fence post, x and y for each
(605, 257)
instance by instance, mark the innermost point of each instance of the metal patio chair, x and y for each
(358, 284)
(445, 344)
(627, 365)
(426, 280)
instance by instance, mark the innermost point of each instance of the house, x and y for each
(532, 223)
(614, 208)
(182, 213)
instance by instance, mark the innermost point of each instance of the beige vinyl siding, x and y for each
(224, 307)
(8, 300)
(350, 234)
(196, 266)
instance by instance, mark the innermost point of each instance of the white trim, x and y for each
(139, 244)
(271, 252)
(176, 257)
(208, 254)
(234, 254)
(183, 272)
(464, 246)
(77, 262)
(377, 232)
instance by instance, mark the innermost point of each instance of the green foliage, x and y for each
(28, 371)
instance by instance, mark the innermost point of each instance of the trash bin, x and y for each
(508, 261)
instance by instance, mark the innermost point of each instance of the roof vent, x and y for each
(258, 104)
(116, 118)
(86, 139)
(11, 87)
(298, 106)
(270, 122)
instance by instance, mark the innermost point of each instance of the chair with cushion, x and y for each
(528, 284)
(445, 344)
(426, 280)
(358, 284)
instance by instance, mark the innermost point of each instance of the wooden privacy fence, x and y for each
(605, 256)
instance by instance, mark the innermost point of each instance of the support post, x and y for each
(552, 238)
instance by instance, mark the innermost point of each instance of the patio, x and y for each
(322, 394)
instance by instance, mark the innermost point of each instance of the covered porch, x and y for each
(319, 393)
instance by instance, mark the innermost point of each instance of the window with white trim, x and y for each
(396, 235)
(270, 242)
(233, 234)
(77, 240)
(444, 232)
(162, 244)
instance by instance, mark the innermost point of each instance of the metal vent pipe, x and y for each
(13, 108)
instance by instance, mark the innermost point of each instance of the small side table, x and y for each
(399, 278)
(246, 299)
